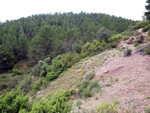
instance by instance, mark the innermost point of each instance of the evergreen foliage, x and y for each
(90, 49)
(16, 101)
(147, 14)
(41, 36)
(61, 63)
(13, 101)
(56, 103)
(103, 34)
(40, 68)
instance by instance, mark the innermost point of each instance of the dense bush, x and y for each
(77, 47)
(16, 101)
(92, 48)
(42, 82)
(56, 103)
(115, 38)
(142, 24)
(103, 34)
(113, 41)
(55, 68)
(16, 71)
(61, 63)
(13, 101)
(146, 28)
(40, 68)
(36, 86)
(69, 59)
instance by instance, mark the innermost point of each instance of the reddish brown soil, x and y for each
(132, 89)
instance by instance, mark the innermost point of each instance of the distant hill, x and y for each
(20, 39)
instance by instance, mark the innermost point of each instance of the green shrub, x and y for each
(147, 49)
(127, 52)
(36, 86)
(51, 76)
(77, 47)
(115, 38)
(83, 89)
(149, 33)
(16, 71)
(93, 84)
(40, 68)
(125, 38)
(136, 44)
(83, 84)
(69, 59)
(55, 68)
(60, 64)
(146, 28)
(13, 101)
(85, 92)
(93, 48)
(141, 24)
(23, 111)
(90, 76)
(43, 82)
(56, 103)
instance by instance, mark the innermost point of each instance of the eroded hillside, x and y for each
(122, 80)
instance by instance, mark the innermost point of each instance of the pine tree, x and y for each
(42, 44)
(23, 46)
(147, 14)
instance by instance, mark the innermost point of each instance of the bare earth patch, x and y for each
(131, 89)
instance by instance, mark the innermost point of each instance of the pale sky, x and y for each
(15, 9)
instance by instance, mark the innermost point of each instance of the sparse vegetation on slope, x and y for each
(73, 64)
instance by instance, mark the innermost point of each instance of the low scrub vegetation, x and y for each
(90, 76)
(16, 71)
(86, 88)
(147, 49)
(107, 108)
(13, 101)
(127, 52)
(16, 101)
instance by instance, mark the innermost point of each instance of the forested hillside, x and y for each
(48, 35)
